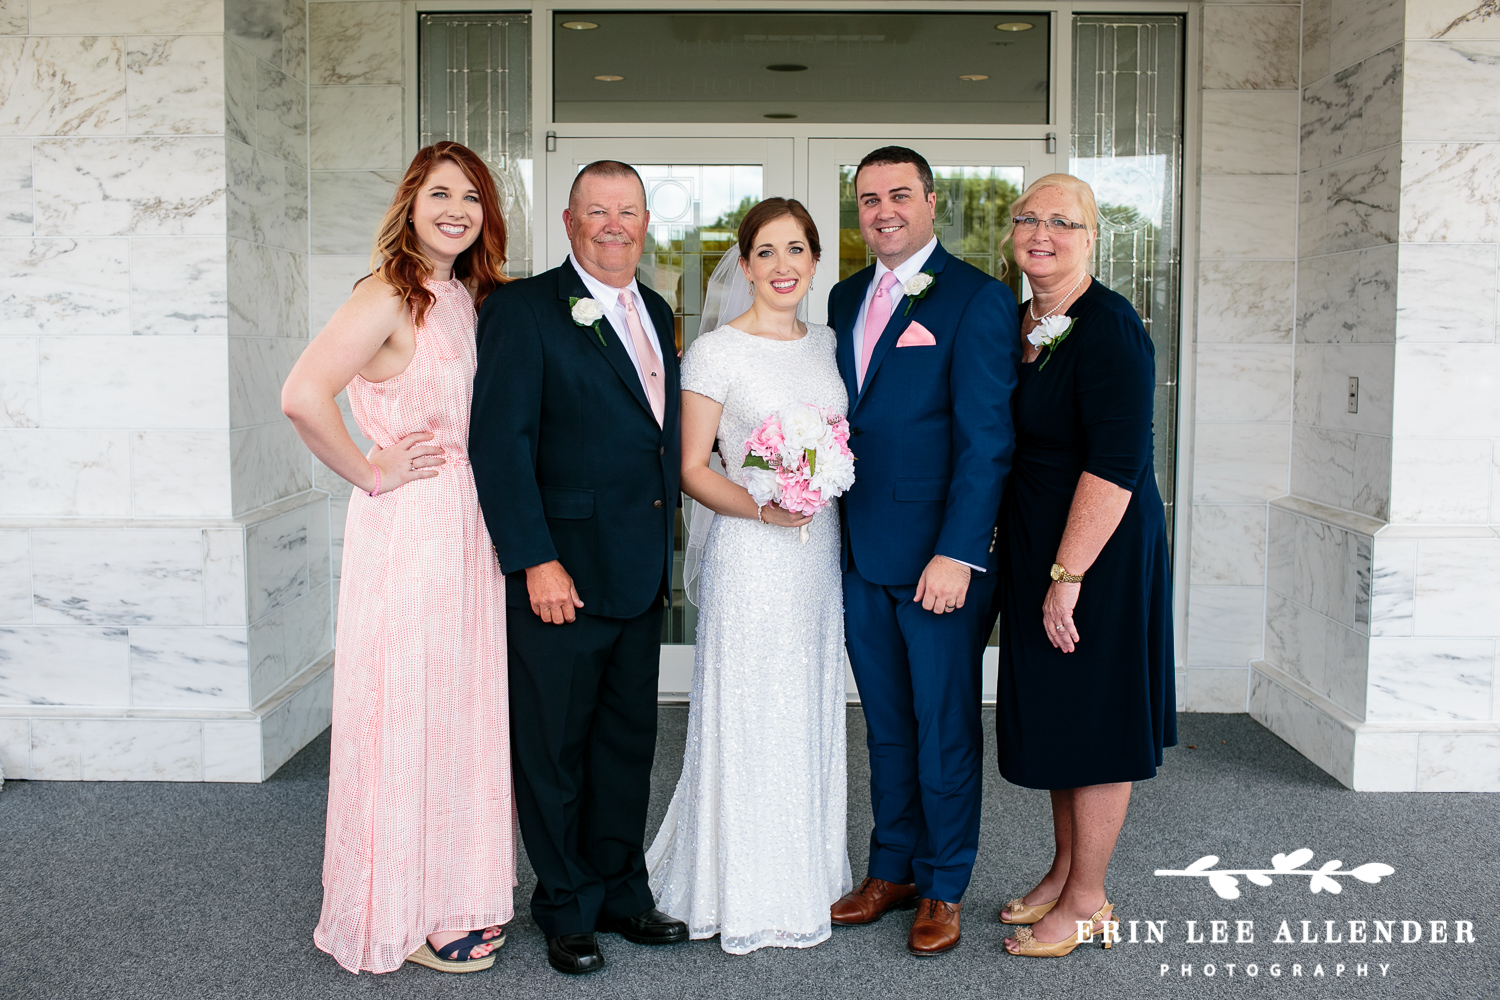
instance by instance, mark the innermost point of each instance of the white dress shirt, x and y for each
(905, 271)
(609, 300)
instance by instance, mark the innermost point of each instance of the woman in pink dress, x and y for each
(419, 859)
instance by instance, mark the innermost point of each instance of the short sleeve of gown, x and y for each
(1116, 385)
(705, 367)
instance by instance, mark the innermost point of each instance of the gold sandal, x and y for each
(1022, 912)
(1028, 945)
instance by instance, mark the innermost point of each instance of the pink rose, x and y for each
(798, 497)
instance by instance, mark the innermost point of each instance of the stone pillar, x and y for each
(164, 578)
(1383, 570)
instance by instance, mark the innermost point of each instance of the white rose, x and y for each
(918, 283)
(587, 312)
(1049, 329)
(835, 473)
(760, 482)
(801, 428)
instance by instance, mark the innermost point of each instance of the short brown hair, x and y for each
(888, 155)
(769, 211)
(606, 168)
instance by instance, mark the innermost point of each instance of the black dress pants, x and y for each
(582, 736)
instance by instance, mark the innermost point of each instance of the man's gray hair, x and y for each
(606, 168)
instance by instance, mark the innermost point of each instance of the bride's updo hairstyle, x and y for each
(769, 211)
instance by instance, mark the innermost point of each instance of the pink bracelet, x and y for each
(376, 490)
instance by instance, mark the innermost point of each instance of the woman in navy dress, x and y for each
(1085, 698)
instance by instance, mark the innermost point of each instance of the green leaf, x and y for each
(812, 460)
(753, 460)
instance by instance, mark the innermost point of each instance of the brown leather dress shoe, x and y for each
(871, 900)
(936, 928)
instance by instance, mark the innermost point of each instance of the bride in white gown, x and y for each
(753, 845)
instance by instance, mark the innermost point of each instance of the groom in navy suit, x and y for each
(928, 347)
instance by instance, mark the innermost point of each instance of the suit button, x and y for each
(662, 450)
(656, 504)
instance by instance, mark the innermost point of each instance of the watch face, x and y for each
(1057, 571)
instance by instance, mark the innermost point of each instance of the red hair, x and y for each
(399, 258)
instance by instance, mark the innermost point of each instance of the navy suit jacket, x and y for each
(568, 460)
(931, 429)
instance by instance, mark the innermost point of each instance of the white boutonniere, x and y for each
(1049, 332)
(917, 287)
(587, 312)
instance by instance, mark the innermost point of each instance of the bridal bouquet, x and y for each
(799, 457)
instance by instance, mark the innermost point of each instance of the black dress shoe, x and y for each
(651, 927)
(574, 954)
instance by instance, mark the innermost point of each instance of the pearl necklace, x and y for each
(1031, 306)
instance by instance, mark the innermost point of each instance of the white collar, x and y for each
(908, 268)
(606, 295)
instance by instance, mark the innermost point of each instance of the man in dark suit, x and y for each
(575, 447)
(928, 347)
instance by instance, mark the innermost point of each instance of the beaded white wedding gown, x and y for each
(753, 845)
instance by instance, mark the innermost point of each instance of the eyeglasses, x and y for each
(1053, 225)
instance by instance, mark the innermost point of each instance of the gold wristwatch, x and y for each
(1060, 575)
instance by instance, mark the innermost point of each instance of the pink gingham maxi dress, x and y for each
(421, 818)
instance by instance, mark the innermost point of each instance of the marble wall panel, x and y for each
(1447, 389)
(224, 577)
(331, 283)
(1332, 572)
(15, 187)
(1250, 47)
(1224, 625)
(1440, 480)
(240, 94)
(1452, 19)
(15, 577)
(189, 668)
(1244, 132)
(83, 576)
(1449, 87)
(1317, 24)
(64, 666)
(258, 368)
(1322, 389)
(1348, 297)
(1360, 28)
(268, 291)
(1247, 215)
(62, 86)
(1214, 690)
(267, 463)
(1458, 762)
(1393, 586)
(117, 749)
(1351, 204)
(277, 555)
(180, 474)
(13, 18)
(258, 196)
(356, 128)
(1372, 475)
(64, 473)
(1281, 550)
(294, 39)
(319, 570)
(144, 186)
(297, 720)
(1420, 679)
(1296, 640)
(1323, 465)
(1354, 111)
(354, 43)
(1243, 382)
(178, 287)
(258, 26)
(308, 629)
(174, 84)
(1310, 732)
(1457, 586)
(142, 382)
(1245, 301)
(268, 669)
(18, 381)
(1229, 544)
(231, 751)
(130, 17)
(1385, 762)
(347, 206)
(1447, 292)
(15, 734)
(65, 286)
(1448, 192)
(281, 115)
(1239, 463)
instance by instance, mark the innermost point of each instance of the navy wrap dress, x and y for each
(1104, 712)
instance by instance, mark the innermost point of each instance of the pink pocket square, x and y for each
(917, 335)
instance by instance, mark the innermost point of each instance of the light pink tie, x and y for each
(646, 360)
(876, 317)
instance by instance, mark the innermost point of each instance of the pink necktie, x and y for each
(876, 317)
(646, 359)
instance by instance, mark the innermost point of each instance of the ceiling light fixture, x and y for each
(779, 116)
(973, 77)
(580, 25)
(786, 67)
(1014, 26)
(608, 78)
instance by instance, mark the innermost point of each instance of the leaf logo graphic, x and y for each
(1226, 885)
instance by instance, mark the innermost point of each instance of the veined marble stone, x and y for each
(1441, 481)
(1360, 28)
(65, 286)
(1249, 132)
(174, 84)
(62, 86)
(1356, 110)
(1351, 204)
(347, 208)
(122, 576)
(189, 668)
(1229, 544)
(64, 666)
(15, 577)
(331, 281)
(64, 473)
(117, 749)
(281, 115)
(180, 473)
(1447, 83)
(1447, 390)
(13, 22)
(258, 367)
(134, 17)
(1393, 586)
(277, 559)
(1250, 47)
(1428, 307)
(224, 577)
(1244, 382)
(1448, 192)
(356, 128)
(1245, 301)
(1415, 679)
(1453, 19)
(15, 187)
(268, 290)
(1348, 297)
(1239, 462)
(178, 286)
(141, 382)
(267, 463)
(1457, 586)
(18, 381)
(146, 186)
(1248, 215)
(1224, 626)
(240, 96)
(355, 43)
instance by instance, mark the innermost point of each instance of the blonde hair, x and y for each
(1079, 189)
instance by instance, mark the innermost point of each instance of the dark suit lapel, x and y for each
(849, 293)
(902, 317)
(570, 285)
